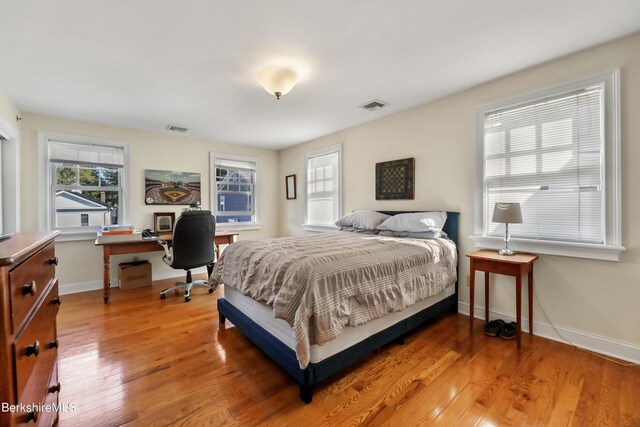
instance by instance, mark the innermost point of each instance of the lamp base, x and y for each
(507, 252)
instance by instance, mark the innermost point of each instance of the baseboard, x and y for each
(597, 343)
(74, 288)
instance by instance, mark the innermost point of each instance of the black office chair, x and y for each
(192, 247)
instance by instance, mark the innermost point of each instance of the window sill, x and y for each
(234, 226)
(570, 249)
(319, 228)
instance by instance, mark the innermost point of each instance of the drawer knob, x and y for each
(54, 388)
(29, 288)
(33, 349)
(53, 344)
(53, 261)
(56, 301)
(32, 416)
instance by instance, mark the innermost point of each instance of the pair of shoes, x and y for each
(499, 327)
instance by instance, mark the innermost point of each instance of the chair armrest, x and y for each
(167, 251)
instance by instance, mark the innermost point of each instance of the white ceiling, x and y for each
(145, 64)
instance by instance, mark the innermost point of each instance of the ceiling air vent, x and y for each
(176, 129)
(374, 105)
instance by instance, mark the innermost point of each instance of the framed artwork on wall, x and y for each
(395, 179)
(163, 221)
(290, 184)
(171, 187)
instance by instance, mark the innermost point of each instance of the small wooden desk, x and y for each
(146, 245)
(515, 265)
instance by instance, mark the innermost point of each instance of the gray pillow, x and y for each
(358, 230)
(362, 219)
(416, 235)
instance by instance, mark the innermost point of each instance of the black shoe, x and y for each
(508, 331)
(493, 327)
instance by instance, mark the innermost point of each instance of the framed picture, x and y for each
(171, 188)
(290, 183)
(394, 179)
(163, 221)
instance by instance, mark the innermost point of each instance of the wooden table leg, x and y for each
(106, 289)
(472, 285)
(486, 296)
(530, 283)
(519, 307)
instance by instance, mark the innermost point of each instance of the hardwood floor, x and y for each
(143, 361)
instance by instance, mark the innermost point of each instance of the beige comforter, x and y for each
(323, 283)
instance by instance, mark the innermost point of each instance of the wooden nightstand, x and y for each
(515, 265)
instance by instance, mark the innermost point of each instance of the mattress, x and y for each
(263, 316)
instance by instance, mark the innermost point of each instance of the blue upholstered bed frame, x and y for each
(316, 372)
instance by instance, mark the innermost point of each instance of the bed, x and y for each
(312, 347)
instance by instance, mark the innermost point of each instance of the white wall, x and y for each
(81, 264)
(590, 297)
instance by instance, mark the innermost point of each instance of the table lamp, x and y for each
(507, 213)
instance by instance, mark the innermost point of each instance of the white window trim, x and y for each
(322, 228)
(10, 177)
(612, 247)
(44, 182)
(213, 190)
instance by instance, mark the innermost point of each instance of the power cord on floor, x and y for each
(610, 359)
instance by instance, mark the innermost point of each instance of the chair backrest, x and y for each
(193, 237)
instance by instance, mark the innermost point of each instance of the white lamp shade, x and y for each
(277, 81)
(507, 213)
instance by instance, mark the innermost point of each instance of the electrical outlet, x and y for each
(468, 281)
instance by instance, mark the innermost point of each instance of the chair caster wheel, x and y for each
(163, 296)
(210, 290)
(187, 299)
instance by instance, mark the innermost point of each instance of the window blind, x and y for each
(548, 156)
(87, 154)
(323, 189)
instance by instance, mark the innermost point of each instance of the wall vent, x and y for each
(374, 105)
(173, 128)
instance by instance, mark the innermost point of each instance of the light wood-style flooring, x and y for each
(146, 362)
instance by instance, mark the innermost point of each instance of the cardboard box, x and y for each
(134, 275)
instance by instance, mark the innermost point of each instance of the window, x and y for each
(234, 190)
(323, 188)
(556, 153)
(83, 187)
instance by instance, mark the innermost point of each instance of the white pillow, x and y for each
(415, 222)
(362, 219)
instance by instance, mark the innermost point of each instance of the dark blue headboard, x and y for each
(450, 227)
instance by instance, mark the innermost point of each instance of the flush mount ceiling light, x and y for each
(277, 81)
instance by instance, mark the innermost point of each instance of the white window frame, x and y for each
(611, 248)
(317, 153)
(213, 189)
(45, 216)
(10, 170)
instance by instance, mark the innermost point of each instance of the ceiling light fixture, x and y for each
(277, 81)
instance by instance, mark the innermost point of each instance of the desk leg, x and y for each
(519, 306)
(530, 283)
(472, 286)
(486, 296)
(106, 290)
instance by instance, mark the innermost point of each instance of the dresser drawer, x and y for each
(28, 281)
(38, 405)
(35, 349)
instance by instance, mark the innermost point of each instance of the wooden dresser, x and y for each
(29, 304)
